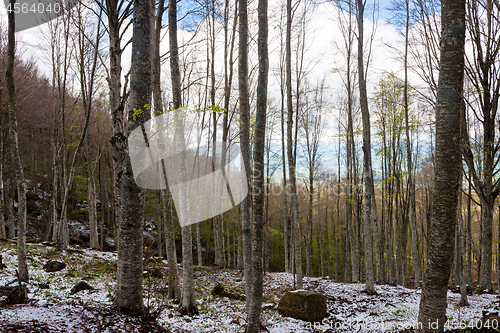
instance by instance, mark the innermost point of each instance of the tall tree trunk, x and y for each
(130, 232)
(350, 163)
(367, 160)
(411, 180)
(286, 222)
(253, 325)
(188, 303)
(290, 150)
(117, 98)
(158, 103)
(14, 149)
(448, 167)
(245, 144)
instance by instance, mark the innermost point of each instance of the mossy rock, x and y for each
(33, 240)
(82, 285)
(12, 295)
(153, 272)
(54, 266)
(225, 290)
(305, 305)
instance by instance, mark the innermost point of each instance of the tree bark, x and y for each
(447, 168)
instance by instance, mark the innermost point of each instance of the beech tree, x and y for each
(367, 160)
(130, 230)
(245, 143)
(253, 325)
(432, 311)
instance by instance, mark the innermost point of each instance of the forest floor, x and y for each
(52, 307)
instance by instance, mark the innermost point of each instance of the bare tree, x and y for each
(87, 59)
(346, 25)
(61, 230)
(117, 13)
(290, 151)
(14, 148)
(482, 72)
(188, 303)
(313, 125)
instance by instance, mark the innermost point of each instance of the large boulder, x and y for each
(225, 290)
(305, 305)
(82, 285)
(54, 266)
(154, 272)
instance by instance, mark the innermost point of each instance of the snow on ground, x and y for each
(54, 309)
